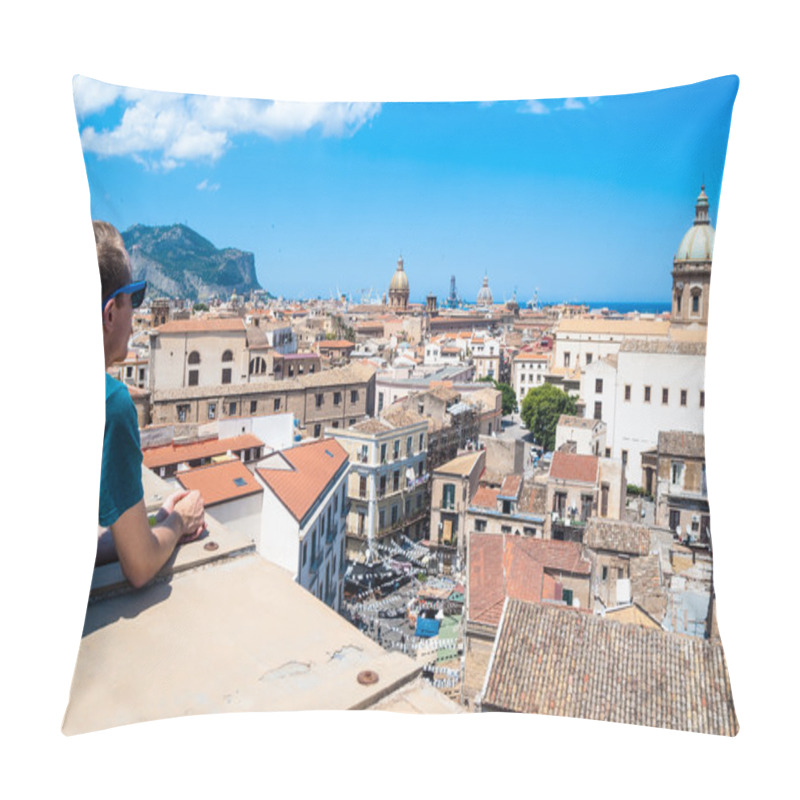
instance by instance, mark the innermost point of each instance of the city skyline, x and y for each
(579, 199)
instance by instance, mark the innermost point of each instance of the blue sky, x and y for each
(580, 198)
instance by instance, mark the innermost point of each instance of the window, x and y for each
(227, 356)
(320, 398)
(598, 386)
(395, 480)
(382, 518)
(317, 430)
(409, 445)
(647, 394)
(598, 410)
(129, 372)
(380, 402)
(627, 391)
(337, 398)
(604, 500)
(624, 458)
(695, 303)
(194, 357)
(232, 409)
(382, 486)
(258, 366)
(605, 574)
(676, 473)
(422, 441)
(354, 396)
(505, 529)
(684, 395)
(226, 375)
(702, 399)
(183, 411)
(276, 404)
(449, 495)
(395, 514)
(566, 596)
(665, 396)
(566, 359)
(194, 377)
(383, 453)
(396, 451)
(212, 410)
(253, 406)
(674, 519)
(588, 359)
(586, 506)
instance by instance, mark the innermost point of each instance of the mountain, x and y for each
(179, 263)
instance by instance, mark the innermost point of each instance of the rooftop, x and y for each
(218, 483)
(174, 453)
(226, 630)
(551, 660)
(682, 443)
(573, 467)
(206, 325)
(617, 535)
(299, 475)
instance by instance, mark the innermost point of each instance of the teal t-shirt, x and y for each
(121, 471)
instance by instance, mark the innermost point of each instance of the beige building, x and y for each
(453, 485)
(516, 508)
(691, 269)
(611, 546)
(675, 472)
(336, 397)
(588, 435)
(198, 352)
(388, 481)
(580, 487)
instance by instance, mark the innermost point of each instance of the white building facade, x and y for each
(304, 515)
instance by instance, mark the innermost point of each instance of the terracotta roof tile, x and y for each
(311, 468)
(165, 455)
(202, 325)
(572, 467)
(551, 660)
(503, 566)
(485, 497)
(218, 483)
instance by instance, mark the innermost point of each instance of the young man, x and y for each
(125, 532)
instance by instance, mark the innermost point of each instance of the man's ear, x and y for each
(109, 310)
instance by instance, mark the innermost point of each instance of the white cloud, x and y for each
(164, 130)
(535, 107)
(572, 104)
(205, 186)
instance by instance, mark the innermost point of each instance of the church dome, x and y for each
(698, 242)
(399, 281)
(485, 293)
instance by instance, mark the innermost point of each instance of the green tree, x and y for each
(541, 408)
(509, 395)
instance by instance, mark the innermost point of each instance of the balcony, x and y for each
(289, 652)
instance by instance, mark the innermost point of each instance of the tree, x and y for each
(509, 399)
(541, 408)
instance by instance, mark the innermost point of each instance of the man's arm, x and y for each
(143, 550)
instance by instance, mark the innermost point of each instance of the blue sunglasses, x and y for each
(136, 290)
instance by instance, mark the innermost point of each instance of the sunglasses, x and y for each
(136, 290)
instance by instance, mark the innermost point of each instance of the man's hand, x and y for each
(190, 508)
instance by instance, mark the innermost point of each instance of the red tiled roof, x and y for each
(573, 467)
(485, 497)
(217, 483)
(503, 566)
(511, 486)
(312, 467)
(155, 457)
(202, 325)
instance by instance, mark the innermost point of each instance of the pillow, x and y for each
(473, 479)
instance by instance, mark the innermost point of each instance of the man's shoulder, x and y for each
(117, 394)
